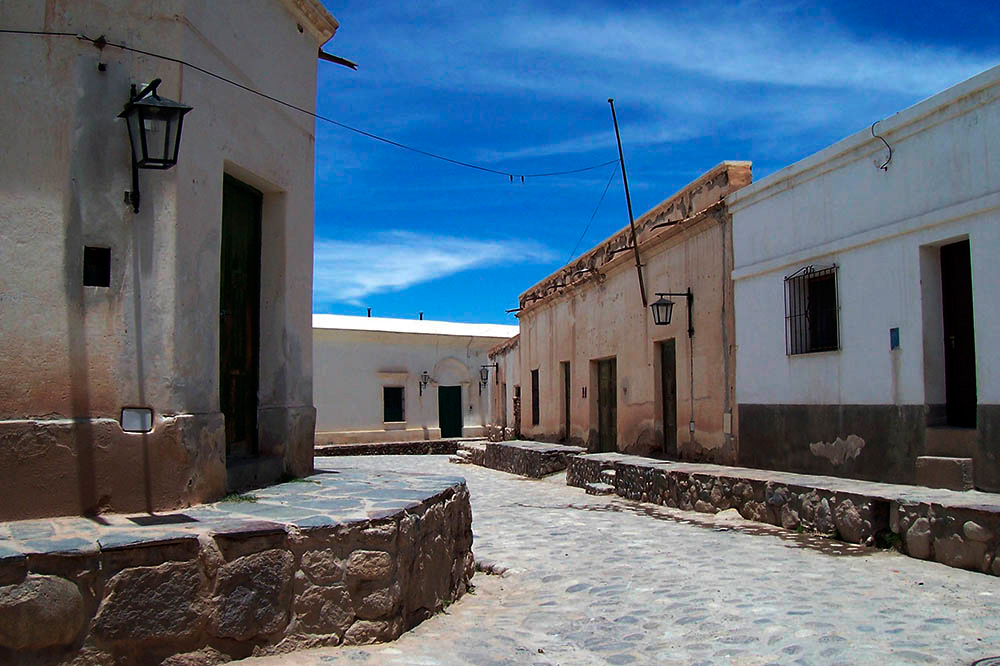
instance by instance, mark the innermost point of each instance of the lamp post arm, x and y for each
(689, 295)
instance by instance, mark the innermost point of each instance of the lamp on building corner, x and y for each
(484, 375)
(424, 380)
(154, 132)
(663, 309)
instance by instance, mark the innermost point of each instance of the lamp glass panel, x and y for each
(662, 310)
(159, 127)
(134, 134)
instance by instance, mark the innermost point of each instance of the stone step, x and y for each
(945, 472)
(459, 460)
(945, 442)
(599, 489)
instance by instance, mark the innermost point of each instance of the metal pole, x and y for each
(628, 200)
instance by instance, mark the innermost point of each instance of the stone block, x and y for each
(161, 603)
(323, 567)
(252, 595)
(324, 610)
(39, 612)
(941, 472)
(852, 526)
(918, 539)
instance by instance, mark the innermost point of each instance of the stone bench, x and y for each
(338, 558)
(960, 529)
(531, 459)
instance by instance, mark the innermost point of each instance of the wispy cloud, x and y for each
(345, 271)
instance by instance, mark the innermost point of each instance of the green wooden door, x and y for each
(607, 404)
(668, 390)
(450, 410)
(239, 315)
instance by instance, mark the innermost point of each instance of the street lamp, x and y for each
(424, 380)
(663, 308)
(154, 132)
(484, 375)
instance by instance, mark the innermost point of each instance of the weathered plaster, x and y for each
(591, 310)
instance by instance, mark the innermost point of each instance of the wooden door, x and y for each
(239, 315)
(450, 410)
(959, 335)
(607, 404)
(567, 395)
(668, 391)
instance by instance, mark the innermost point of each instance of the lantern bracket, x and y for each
(689, 296)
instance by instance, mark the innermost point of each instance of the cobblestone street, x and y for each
(599, 580)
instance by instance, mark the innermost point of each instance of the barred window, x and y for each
(811, 310)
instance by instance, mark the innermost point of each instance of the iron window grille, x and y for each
(811, 310)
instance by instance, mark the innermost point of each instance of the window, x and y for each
(534, 397)
(811, 311)
(96, 266)
(392, 404)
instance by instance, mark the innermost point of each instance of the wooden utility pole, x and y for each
(628, 200)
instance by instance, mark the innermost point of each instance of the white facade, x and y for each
(883, 230)
(355, 359)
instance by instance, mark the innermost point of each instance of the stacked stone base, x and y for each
(421, 448)
(531, 459)
(261, 588)
(959, 535)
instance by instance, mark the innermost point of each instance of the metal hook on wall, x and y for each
(885, 165)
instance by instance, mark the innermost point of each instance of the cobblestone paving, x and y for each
(600, 580)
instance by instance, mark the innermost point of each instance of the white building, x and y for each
(867, 314)
(379, 380)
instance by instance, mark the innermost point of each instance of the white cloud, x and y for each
(347, 271)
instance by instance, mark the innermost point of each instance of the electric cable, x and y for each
(594, 214)
(101, 42)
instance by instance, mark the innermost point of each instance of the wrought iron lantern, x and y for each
(154, 132)
(484, 375)
(424, 380)
(663, 309)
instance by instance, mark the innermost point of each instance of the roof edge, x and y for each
(688, 203)
(894, 124)
(322, 22)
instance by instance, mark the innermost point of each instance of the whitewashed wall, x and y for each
(942, 184)
(351, 367)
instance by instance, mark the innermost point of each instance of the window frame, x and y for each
(402, 403)
(809, 329)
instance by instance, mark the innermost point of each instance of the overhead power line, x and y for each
(592, 215)
(101, 42)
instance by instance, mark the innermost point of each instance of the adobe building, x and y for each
(596, 370)
(867, 317)
(379, 379)
(505, 401)
(148, 354)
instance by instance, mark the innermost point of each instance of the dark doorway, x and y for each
(668, 391)
(239, 316)
(450, 410)
(534, 397)
(607, 405)
(959, 335)
(567, 393)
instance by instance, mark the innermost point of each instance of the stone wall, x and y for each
(431, 447)
(532, 459)
(260, 588)
(960, 535)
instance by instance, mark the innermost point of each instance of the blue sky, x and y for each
(523, 87)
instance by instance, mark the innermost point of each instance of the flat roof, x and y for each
(423, 326)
